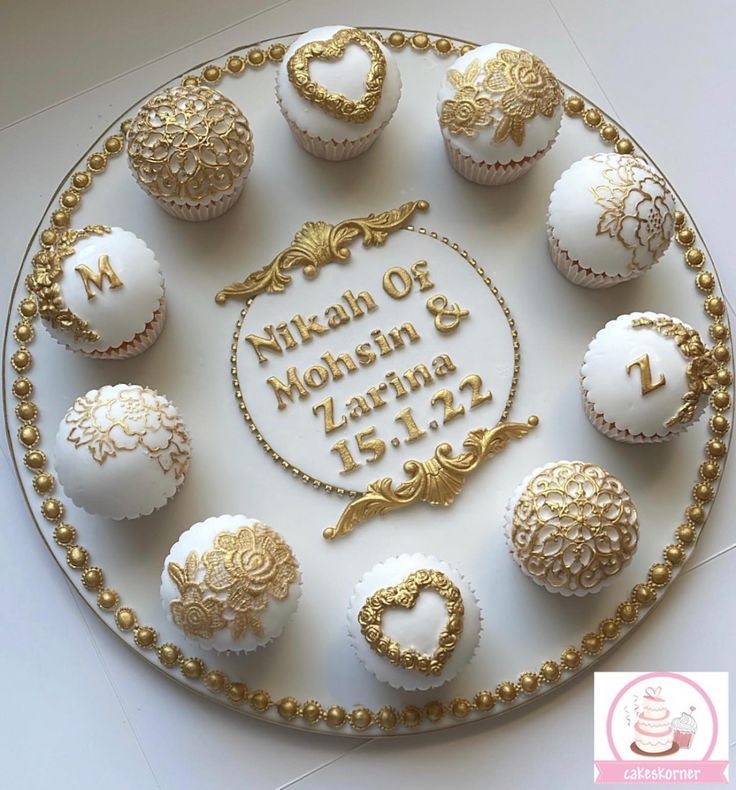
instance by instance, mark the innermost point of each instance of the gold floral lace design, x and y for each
(702, 367)
(636, 208)
(337, 104)
(405, 595)
(48, 266)
(240, 575)
(189, 143)
(109, 421)
(520, 87)
(574, 526)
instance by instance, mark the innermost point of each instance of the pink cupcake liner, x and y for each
(140, 342)
(491, 173)
(577, 274)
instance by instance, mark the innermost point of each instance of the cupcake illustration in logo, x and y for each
(684, 728)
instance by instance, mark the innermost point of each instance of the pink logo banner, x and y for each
(689, 772)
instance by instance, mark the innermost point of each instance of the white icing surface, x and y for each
(200, 538)
(538, 132)
(616, 394)
(346, 76)
(127, 485)
(115, 314)
(574, 216)
(418, 627)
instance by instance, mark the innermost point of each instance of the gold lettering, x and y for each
(90, 278)
(395, 382)
(357, 406)
(411, 334)
(346, 360)
(443, 365)
(348, 462)
(366, 356)
(287, 390)
(475, 384)
(418, 370)
(389, 284)
(376, 447)
(270, 342)
(354, 303)
(316, 376)
(339, 316)
(327, 406)
(421, 275)
(381, 342)
(373, 394)
(309, 327)
(448, 402)
(405, 416)
(446, 319)
(286, 335)
(645, 371)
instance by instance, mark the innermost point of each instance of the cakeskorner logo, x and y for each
(661, 727)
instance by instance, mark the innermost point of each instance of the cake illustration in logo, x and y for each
(652, 731)
(684, 727)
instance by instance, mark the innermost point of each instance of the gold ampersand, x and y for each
(446, 319)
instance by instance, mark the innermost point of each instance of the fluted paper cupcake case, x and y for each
(138, 344)
(574, 272)
(215, 208)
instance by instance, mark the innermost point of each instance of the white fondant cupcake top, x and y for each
(121, 451)
(230, 583)
(646, 372)
(414, 621)
(499, 103)
(190, 145)
(113, 282)
(612, 213)
(343, 90)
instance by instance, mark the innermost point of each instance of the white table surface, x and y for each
(80, 709)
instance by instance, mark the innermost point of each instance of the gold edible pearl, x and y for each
(107, 599)
(506, 691)
(591, 644)
(52, 509)
(361, 719)
(550, 671)
(720, 399)
(113, 145)
(529, 682)
(644, 594)
(716, 448)
(694, 257)
(215, 681)
(168, 654)
(125, 125)
(721, 353)
(592, 117)
(190, 82)
(659, 574)
(397, 39)
(125, 619)
(212, 73)
(674, 554)
(714, 306)
(574, 105)
(335, 716)
(723, 377)
(627, 611)
(705, 281)
(685, 237)
(679, 219)
(571, 658)
(80, 181)
(77, 557)
(29, 435)
(443, 46)
(719, 424)
(608, 132)
(64, 534)
(256, 57)
(92, 578)
(35, 459)
(260, 700)
(43, 482)
(192, 668)
(236, 64)
(420, 40)
(696, 514)
(387, 719)
(465, 48)
(70, 199)
(460, 708)
(23, 333)
(236, 692)
(26, 411)
(21, 360)
(96, 162)
(28, 308)
(22, 387)
(609, 628)
(624, 146)
(277, 52)
(434, 711)
(145, 637)
(484, 700)
(60, 219)
(686, 534)
(719, 331)
(287, 708)
(311, 712)
(702, 492)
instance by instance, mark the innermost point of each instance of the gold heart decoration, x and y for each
(337, 104)
(405, 595)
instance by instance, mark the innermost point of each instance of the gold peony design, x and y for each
(574, 526)
(232, 583)
(636, 208)
(189, 143)
(505, 92)
(702, 367)
(121, 419)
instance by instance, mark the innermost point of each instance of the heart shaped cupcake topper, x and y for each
(333, 102)
(653, 692)
(405, 595)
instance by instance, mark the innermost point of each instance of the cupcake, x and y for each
(571, 527)
(337, 87)
(230, 583)
(500, 110)
(122, 451)
(428, 646)
(684, 728)
(645, 378)
(100, 292)
(191, 149)
(611, 217)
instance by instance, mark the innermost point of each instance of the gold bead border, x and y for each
(330, 488)
(361, 719)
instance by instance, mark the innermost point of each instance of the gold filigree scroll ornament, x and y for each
(332, 102)
(317, 244)
(405, 595)
(48, 266)
(702, 367)
(436, 481)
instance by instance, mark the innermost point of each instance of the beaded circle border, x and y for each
(330, 488)
(362, 720)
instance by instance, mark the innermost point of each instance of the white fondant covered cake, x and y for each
(652, 730)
